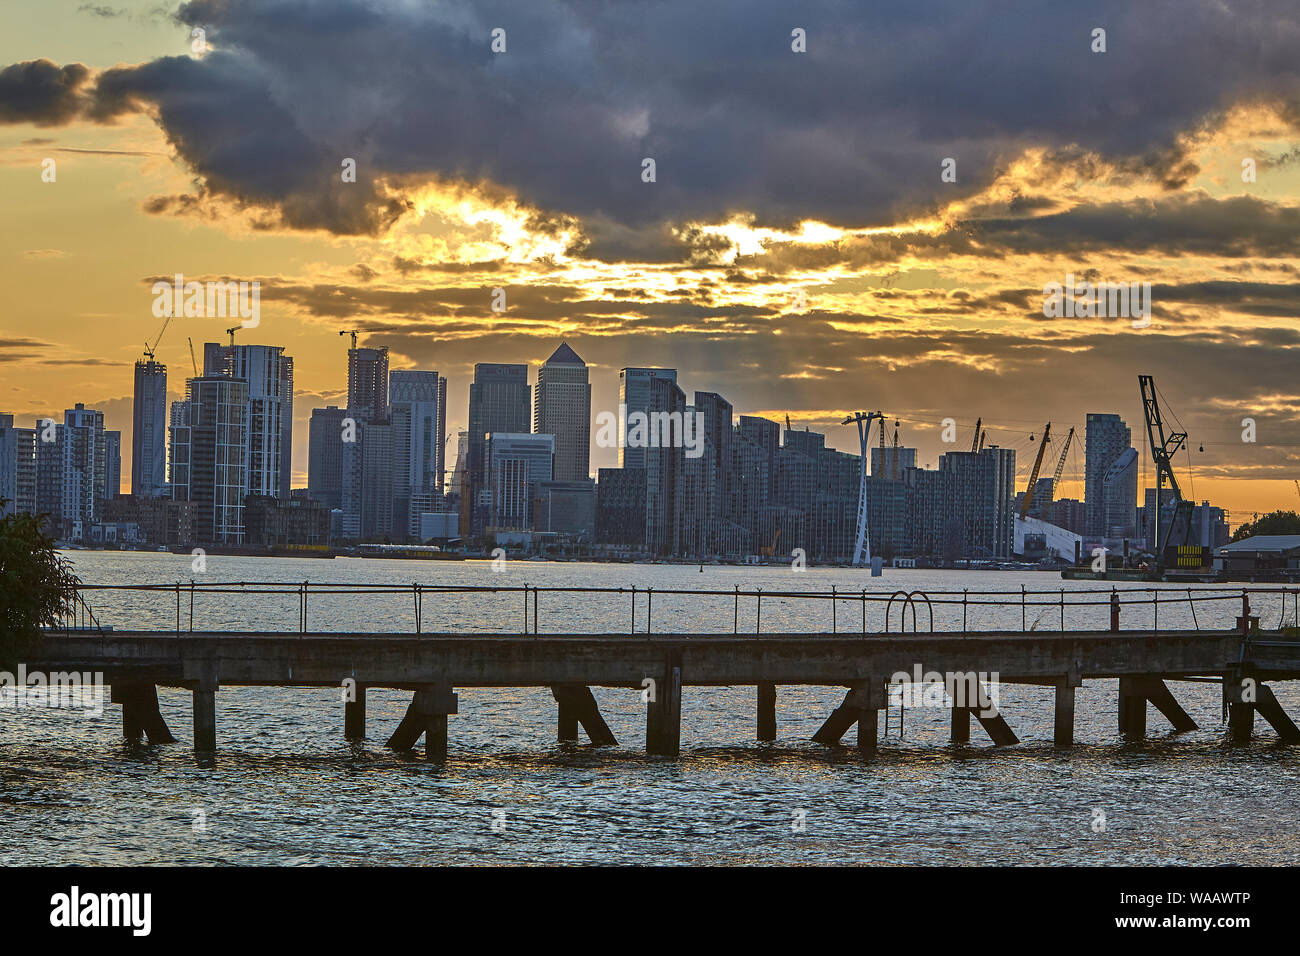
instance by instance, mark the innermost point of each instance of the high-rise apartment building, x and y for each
(1106, 438)
(209, 437)
(635, 395)
(17, 468)
(368, 383)
(149, 430)
(269, 374)
(499, 401)
(562, 407)
(518, 464)
(325, 456)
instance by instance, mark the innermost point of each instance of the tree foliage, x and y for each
(1275, 522)
(36, 584)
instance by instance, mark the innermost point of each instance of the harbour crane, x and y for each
(1033, 476)
(1060, 462)
(1163, 448)
(149, 349)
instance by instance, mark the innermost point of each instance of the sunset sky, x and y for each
(798, 251)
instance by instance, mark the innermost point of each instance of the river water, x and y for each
(286, 788)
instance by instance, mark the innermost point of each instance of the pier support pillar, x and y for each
(1242, 693)
(354, 715)
(140, 713)
(1271, 710)
(663, 728)
(960, 725)
(862, 705)
(427, 715)
(577, 705)
(766, 711)
(1063, 724)
(1132, 707)
(205, 715)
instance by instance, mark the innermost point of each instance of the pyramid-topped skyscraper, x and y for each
(562, 407)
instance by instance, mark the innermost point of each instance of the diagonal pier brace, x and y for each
(427, 715)
(577, 705)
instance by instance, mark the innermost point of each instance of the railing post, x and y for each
(649, 605)
(535, 612)
(191, 605)
(735, 621)
(1023, 623)
(834, 627)
(633, 631)
(965, 595)
(415, 597)
(1155, 609)
(1114, 609)
(1062, 610)
(525, 608)
(864, 610)
(178, 609)
(758, 611)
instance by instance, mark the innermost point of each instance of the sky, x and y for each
(853, 206)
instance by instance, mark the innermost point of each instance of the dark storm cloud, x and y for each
(851, 132)
(41, 92)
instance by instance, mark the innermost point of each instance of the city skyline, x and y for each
(846, 266)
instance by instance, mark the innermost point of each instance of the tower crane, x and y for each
(149, 349)
(974, 442)
(897, 471)
(231, 332)
(1033, 475)
(355, 332)
(192, 362)
(1163, 448)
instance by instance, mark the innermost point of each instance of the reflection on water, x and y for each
(285, 788)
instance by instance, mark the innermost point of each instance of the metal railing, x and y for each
(183, 596)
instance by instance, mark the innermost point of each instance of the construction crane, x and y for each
(231, 332)
(1060, 462)
(787, 420)
(1297, 488)
(192, 362)
(974, 442)
(897, 471)
(1163, 448)
(1033, 475)
(355, 332)
(149, 349)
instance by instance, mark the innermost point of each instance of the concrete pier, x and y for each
(136, 662)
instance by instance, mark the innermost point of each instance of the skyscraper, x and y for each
(368, 383)
(518, 464)
(112, 465)
(634, 393)
(149, 430)
(210, 455)
(325, 456)
(562, 407)
(1106, 438)
(269, 374)
(413, 397)
(17, 468)
(499, 401)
